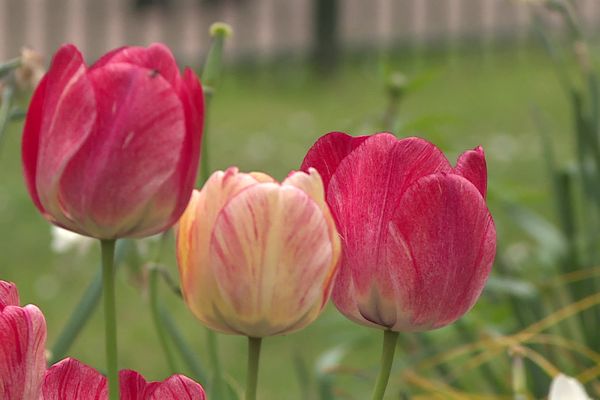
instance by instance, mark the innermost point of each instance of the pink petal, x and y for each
(156, 57)
(440, 250)
(72, 380)
(192, 100)
(365, 192)
(271, 256)
(59, 120)
(471, 165)
(328, 152)
(31, 138)
(132, 385)
(177, 387)
(9, 295)
(22, 352)
(130, 156)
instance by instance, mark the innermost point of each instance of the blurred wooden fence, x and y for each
(262, 27)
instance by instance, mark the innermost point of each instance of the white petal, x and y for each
(566, 388)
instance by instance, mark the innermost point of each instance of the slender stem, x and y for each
(9, 65)
(160, 331)
(218, 388)
(252, 371)
(110, 320)
(390, 339)
(5, 107)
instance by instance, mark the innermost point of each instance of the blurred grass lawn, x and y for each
(266, 121)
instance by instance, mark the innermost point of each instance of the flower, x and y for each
(256, 257)
(418, 240)
(22, 346)
(72, 380)
(23, 374)
(566, 388)
(112, 150)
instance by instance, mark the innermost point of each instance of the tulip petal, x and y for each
(365, 191)
(110, 183)
(566, 388)
(193, 239)
(177, 387)
(70, 379)
(59, 121)
(440, 251)
(9, 295)
(22, 351)
(328, 152)
(471, 165)
(132, 385)
(156, 57)
(270, 244)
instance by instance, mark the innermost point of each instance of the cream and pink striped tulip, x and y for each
(257, 257)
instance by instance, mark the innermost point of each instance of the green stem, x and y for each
(10, 65)
(252, 371)
(110, 320)
(5, 108)
(390, 339)
(218, 387)
(210, 76)
(160, 331)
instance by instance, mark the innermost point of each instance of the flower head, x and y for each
(418, 240)
(257, 257)
(112, 150)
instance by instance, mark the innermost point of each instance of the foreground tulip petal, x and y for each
(256, 257)
(73, 380)
(112, 150)
(417, 237)
(22, 351)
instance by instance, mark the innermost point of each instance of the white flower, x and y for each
(566, 388)
(64, 241)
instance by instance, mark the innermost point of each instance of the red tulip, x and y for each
(22, 341)
(23, 374)
(112, 150)
(72, 380)
(417, 237)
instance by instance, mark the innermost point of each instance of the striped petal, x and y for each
(22, 352)
(269, 251)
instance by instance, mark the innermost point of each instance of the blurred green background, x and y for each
(266, 113)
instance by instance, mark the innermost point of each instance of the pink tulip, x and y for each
(72, 380)
(112, 150)
(257, 257)
(418, 240)
(23, 374)
(22, 351)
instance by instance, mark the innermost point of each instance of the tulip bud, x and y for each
(112, 150)
(256, 257)
(30, 72)
(417, 237)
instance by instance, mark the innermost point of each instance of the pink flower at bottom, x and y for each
(23, 374)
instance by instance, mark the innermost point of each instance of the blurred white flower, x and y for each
(566, 388)
(64, 241)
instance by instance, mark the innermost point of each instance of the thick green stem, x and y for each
(110, 320)
(390, 339)
(252, 371)
(158, 326)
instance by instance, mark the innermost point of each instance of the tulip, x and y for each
(257, 258)
(566, 388)
(112, 150)
(23, 374)
(22, 351)
(417, 237)
(72, 380)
